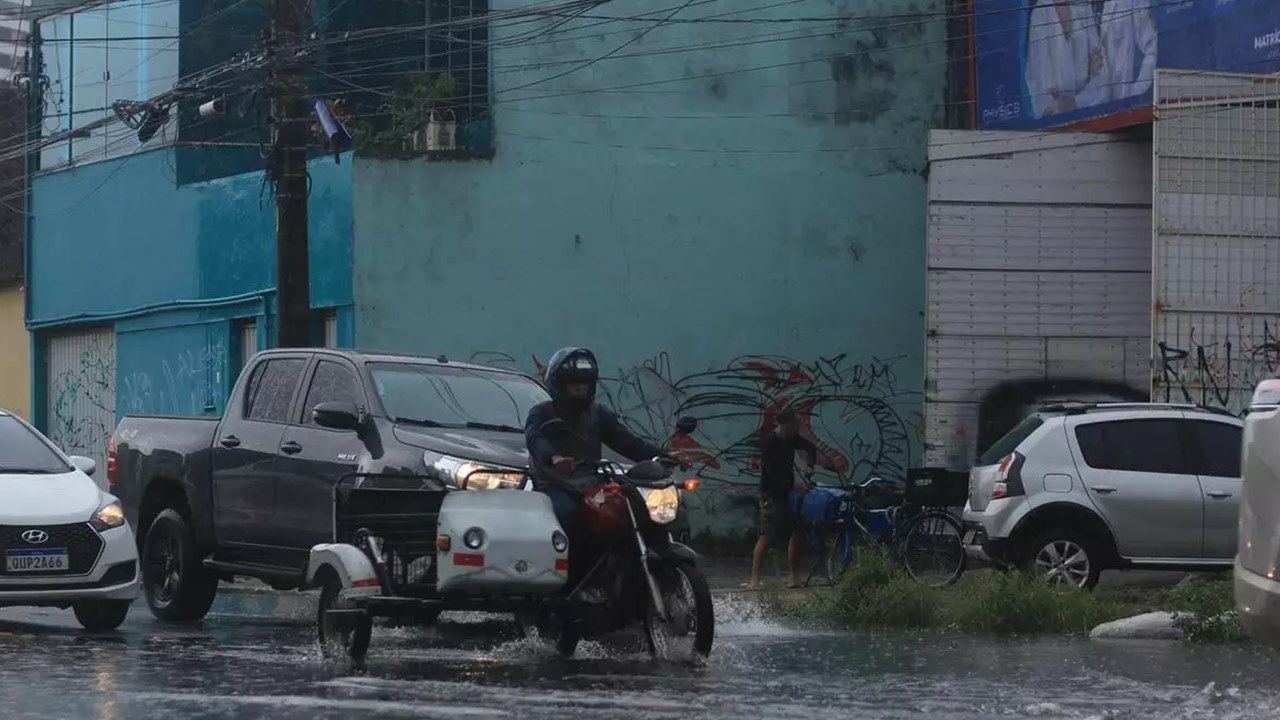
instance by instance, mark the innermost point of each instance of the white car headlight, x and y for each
(107, 517)
(468, 475)
(662, 504)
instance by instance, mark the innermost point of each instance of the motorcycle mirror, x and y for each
(687, 424)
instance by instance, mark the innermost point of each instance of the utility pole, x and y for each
(287, 165)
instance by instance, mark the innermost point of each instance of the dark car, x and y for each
(252, 493)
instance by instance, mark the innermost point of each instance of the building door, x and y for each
(81, 393)
(1216, 281)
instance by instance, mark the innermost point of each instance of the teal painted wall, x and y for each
(171, 267)
(733, 228)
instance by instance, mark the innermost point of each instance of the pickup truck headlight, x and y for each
(468, 475)
(107, 517)
(662, 504)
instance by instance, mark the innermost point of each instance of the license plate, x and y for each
(969, 536)
(42, 560)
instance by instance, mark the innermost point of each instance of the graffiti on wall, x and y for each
(860, 414)
(1217, 372)
(82, 403)
(188, 382)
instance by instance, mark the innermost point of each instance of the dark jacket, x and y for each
(778, 463)
(593, 429)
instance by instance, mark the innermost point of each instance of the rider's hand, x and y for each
(801, 485)
(682, 458)
(563, 463)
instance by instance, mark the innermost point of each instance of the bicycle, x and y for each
(921, 534)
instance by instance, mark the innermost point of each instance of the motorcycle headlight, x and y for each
(468, 475)
(107, 517)
(662, 504)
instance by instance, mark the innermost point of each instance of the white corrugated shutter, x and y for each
(1217, 236)
(81, 410)
(1039, 258)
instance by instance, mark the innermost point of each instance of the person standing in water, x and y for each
(778, 448)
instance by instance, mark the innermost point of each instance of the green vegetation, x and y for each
(412, 100)
(876, 593)
(1205, 610)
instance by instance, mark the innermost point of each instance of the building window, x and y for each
(458, 49)
(103, 65)
(324, 327)
(414, 94)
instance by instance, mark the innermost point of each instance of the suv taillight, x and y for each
(111, 461)
(1009, 477)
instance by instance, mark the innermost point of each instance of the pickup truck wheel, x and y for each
(177, 586)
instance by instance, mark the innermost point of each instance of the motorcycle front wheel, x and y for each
(690, 628)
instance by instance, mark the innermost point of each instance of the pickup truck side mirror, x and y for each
(340, 415)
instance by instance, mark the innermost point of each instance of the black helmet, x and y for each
(572, 365)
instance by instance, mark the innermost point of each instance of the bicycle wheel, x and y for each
(932, 550)
(838, 553)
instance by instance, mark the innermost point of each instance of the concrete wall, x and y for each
(15, 354)
(733, 229)
(173, 269)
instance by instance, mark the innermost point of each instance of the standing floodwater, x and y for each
(238, 667)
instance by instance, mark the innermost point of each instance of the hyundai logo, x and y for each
(35, 537)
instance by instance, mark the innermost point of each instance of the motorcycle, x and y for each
(638, 574)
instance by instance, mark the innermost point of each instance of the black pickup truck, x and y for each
(252, 493)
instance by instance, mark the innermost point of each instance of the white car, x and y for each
(1257, 577)
(65, 542)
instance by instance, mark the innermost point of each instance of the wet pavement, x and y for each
(255, 658)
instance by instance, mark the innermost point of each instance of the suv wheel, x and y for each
(1063, 558)
(177, 586)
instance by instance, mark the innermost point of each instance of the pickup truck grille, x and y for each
(82, 542)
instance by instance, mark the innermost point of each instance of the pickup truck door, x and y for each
(244, 451)
(1217, 445)
(312, 459)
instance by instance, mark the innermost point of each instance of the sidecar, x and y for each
(404, 548)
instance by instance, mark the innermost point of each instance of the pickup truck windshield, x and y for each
(455, 396)
(23, 452)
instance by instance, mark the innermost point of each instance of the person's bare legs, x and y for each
(795, 555)
(757, 561)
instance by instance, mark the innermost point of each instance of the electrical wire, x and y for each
(684, 79)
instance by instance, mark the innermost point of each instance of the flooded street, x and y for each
(244, 663)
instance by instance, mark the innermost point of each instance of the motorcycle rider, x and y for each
(571, 377)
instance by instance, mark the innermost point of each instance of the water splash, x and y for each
(740, 616)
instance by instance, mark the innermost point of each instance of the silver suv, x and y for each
(1257, 588)
(1077, 489)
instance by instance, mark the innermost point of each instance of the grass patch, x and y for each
(1205, 611)
(877, 592)
(1015, 604)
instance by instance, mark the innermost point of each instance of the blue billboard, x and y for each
(1046, 63)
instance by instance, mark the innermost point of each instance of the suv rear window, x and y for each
(1010, 441)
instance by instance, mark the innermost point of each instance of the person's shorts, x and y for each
(776, 519)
